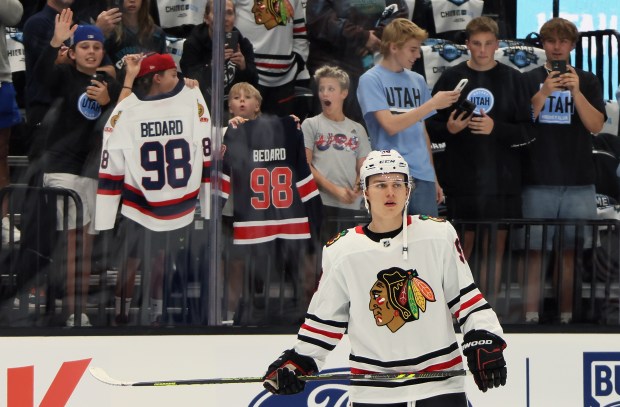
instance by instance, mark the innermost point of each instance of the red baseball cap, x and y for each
(156, 63)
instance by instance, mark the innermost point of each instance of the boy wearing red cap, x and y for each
(156, 157)
(72, 135)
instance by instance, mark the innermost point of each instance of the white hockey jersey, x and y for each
(156, 156)
(398, 313)
(276, 40)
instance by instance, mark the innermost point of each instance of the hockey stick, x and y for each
(101, 375)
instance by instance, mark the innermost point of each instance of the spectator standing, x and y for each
(38, 31)
(559, 168)
(244, 104)
(276, 203)
(197, 55)
(482, 157)
(336, 147)
(347, 34)
(175, 134)
(367, 273)
(9, 114)
(277, 29)
(74, 142)
(135, 33)
(395, 102)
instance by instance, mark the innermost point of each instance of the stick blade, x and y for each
(101, 375)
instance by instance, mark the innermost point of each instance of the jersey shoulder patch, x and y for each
(434, 219)
(335, 238)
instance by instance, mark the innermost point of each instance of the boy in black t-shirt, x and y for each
(72, 146)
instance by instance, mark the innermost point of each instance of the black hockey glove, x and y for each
(485, 358)
(281, 376)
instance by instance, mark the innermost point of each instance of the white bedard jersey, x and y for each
(156, 156)
(398, 312)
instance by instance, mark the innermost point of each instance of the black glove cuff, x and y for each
(304, 365)
(481, 339)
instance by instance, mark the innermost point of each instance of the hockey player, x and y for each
(395, 289)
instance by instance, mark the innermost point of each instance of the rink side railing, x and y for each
(33, 271)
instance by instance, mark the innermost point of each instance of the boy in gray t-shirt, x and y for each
(336, 147)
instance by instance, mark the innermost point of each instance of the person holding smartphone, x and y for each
(136, 32)
(396, 103)
(238, 53)
(483, 133)
(559, 170)
(73, 140)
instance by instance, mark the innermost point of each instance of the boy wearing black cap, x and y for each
(73, 128)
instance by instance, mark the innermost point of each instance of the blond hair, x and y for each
(398, 32)
(334, 72)
(246, 88)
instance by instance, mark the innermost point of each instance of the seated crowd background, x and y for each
(299, 77)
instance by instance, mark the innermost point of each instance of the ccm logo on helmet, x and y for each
(477, 343)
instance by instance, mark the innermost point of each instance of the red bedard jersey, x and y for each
(274, 193)
(156, 157)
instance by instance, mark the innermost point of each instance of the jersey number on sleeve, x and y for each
(171, 162)
(272, 187)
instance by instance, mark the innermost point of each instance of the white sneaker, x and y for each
(85, 321)
(6, 227)
(531, 317)
(566, 317)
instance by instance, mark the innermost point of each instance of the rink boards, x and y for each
(543, 370)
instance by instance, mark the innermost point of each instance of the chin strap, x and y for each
(405, 240)
(405, 219)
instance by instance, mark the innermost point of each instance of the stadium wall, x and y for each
(544, 370)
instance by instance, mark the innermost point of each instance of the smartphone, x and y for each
(461, 85)
(559, 66)
(466, 106)
(231, 40)
(118, 4)
(98, 76)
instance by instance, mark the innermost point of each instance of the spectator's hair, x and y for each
(146, 25)
(248, 89)
(398, 32)
(482, 25)
(334, 72)
(561, 28)
(142, 85)
(209, 6)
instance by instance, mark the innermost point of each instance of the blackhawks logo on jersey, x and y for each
(398, 297)
(333, 239)
(115, 118)
(272, 13)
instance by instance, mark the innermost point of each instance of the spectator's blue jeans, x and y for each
(423, 200)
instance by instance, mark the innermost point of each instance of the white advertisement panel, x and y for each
(543, 370)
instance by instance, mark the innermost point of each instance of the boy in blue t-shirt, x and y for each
(395, 102)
